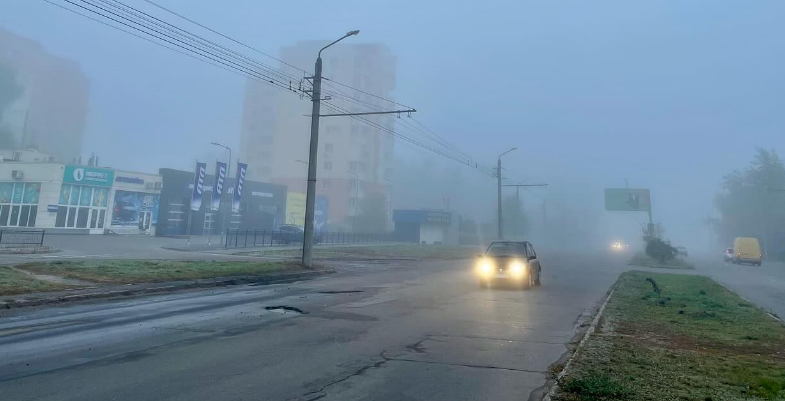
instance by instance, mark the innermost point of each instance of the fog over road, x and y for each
(373, 331)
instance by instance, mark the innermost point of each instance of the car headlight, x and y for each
(485, 267)
(517, 268)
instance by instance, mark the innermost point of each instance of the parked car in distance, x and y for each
(728, 256)
(682, 251)
(747, 250)
(291, 233)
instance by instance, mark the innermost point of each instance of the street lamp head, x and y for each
(352, 33)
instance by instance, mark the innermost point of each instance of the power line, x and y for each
(222, 35)
(195, 38)
(232, 61)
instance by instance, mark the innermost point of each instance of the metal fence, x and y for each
(22, 237)
(249, 238)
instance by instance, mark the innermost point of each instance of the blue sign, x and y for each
(218, 185)
(320, 212)
(242, 168)
(129, 208)
(88, 175)
(51, 208)
(196, 197)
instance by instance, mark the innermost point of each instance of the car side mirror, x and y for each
(531, 258)
(480, 256)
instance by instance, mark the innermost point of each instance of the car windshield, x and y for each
(506, 249)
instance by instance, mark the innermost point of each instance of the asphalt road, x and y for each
(413, 331)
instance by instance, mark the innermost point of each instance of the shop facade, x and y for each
(75, 199)
(262, 206)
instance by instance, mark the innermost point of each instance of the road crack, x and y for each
(465, 365)
(320, 393)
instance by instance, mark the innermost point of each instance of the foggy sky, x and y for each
(671, 95)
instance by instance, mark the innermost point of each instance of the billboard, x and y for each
(627, 200)
(218, 185)
(295, 210)
(237, 194)
(198, 186)
(130, 208)
(82, 175)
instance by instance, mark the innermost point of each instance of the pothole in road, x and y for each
(285, 309)
(340, 292)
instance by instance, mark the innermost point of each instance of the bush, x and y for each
(659, 250)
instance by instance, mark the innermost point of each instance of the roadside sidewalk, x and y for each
(125, 290)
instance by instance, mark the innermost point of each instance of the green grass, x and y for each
(641, 259)
(380, 252)
(137, 271)
(13, 282)
(694, 340)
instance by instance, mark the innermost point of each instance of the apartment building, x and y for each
(355, 158)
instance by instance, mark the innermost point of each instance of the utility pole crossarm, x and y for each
(367, 113)
(525, 185)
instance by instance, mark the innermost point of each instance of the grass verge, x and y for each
(13, 282)
(641, 259)
(140, 271)
(678, 337)
(380, 252)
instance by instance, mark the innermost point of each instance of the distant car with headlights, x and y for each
(619, 246)
(728, 256)
(511, 262)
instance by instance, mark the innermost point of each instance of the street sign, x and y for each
(627, 200)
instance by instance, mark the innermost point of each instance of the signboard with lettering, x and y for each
(198, 186)
(627, 200)
(218, 185)
(83, 175)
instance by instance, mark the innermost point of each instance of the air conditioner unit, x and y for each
(159, 185)
(149, 185)
(17, 174)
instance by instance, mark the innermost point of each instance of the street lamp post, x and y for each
(500, 227)
(310, 198)
(228, 175)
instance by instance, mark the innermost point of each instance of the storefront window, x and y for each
(81, 207)
(19, 203)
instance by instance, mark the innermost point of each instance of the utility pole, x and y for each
(500, 219)
(310, 197)
(500, 229)
(518, 193)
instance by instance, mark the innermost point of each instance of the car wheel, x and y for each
(538, 282)
(527, 284)
(484, 284)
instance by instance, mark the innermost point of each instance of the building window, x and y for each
(81, 206)
(19, 203)
(353, 166)
(325, 184)
(333, 129)
(355, 130)
(328, 165)
(352, 204)
(328, 147)
(176, 217)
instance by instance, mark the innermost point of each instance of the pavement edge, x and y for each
(589, 331)
(172, 287)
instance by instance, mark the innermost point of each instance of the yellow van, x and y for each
(747, 250)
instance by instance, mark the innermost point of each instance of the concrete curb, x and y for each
(174, 286)
(589, 331)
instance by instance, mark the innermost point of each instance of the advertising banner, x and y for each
(218, 185)
(627, 200)
(102, 177)
(131, 208)
(196, 197)
(295, 210)
(242, 168)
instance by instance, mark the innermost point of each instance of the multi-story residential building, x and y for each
(355, 158)
(50, 114)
